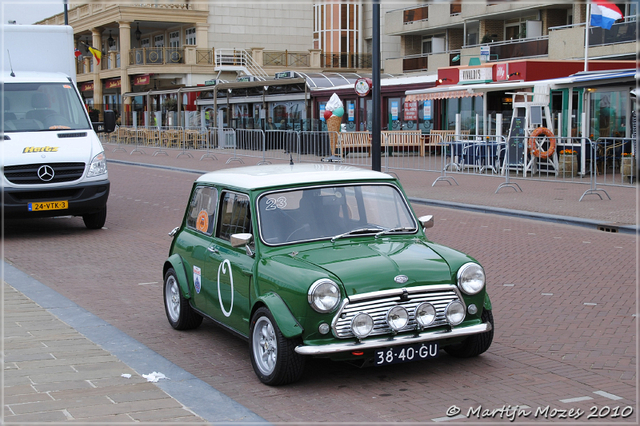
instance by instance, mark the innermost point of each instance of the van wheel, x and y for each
(95, 220)
(273, 356)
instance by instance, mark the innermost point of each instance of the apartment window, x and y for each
(426, 45)
(190, 36)
(144, 42)
(158, 41)
(174, 39)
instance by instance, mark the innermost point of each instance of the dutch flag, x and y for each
(604, 14)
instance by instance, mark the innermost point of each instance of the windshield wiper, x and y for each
(357, 231)
(392, 230)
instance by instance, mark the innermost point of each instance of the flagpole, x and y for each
(586, 38)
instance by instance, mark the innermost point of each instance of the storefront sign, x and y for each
(86, 87)
(112, 84)
(141, 80)
(475, 75)
(363, 86)
(502, 72)
(411, 111)
(427, 110)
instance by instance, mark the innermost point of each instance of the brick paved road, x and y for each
(563, 296)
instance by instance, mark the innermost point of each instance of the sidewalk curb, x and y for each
(195, 394)
(567, 220)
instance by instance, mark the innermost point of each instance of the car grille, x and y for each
(378, 306)
(27, 174)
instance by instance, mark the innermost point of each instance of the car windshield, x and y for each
(32, 107)
(333, 212)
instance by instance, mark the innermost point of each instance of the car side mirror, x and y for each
(244, 239)
(426, 221)
(106, 126)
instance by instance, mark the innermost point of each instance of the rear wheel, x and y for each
(476, 344)
(95, 220)
(273, 356)
(180, 314)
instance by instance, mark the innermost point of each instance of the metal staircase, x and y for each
(240, 61)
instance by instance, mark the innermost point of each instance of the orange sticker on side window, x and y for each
(202, 223)
(66, 86)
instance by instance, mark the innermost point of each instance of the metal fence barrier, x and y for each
(606, 161)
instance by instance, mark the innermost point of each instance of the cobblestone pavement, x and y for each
(52, 373)
(564, 301)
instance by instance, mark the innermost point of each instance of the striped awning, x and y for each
(449, 94)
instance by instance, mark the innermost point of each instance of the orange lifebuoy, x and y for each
(535, 148)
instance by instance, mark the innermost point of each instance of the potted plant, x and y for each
(94, 114)
(628, 166)
(568, 162)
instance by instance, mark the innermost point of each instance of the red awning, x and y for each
(449, 94)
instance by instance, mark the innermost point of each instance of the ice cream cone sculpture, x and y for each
(333, 115)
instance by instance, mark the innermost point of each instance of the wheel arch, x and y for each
(287, 323)
(175, 261)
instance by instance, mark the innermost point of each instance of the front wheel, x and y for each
(95, 220)
(476, 344)
(273, 356)
(180, 314)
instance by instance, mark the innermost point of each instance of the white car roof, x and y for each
(268, 176)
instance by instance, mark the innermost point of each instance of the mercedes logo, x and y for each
(45, 173)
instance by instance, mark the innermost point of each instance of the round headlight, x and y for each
(361, 325)
(397, 318)
(454, 312)
(471, 278)
(324, 295)
(425, 314)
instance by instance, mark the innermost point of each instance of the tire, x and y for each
(95, 220)
(273, 356)
(180, 314)
(476, 344)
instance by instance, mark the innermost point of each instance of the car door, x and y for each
(196, 239)
(229, 269)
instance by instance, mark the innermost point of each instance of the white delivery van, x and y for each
(53, 163)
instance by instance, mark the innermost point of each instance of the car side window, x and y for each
(202, 209)
(235, 215)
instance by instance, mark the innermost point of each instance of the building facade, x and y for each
(436, 35)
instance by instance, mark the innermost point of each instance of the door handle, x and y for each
(213, 250)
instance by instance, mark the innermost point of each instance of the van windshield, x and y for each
(30, 107)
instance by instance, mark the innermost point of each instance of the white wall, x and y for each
(273, 26)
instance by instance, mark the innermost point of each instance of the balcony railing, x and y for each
(619, 33)
(527, 48)
(156, 56)
(416, 14)
(286, 59)
(346, 60)
(415, 63)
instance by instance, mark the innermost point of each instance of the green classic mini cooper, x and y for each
(324, 261)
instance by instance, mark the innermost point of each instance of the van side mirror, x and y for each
(106, 126)
(426, 221)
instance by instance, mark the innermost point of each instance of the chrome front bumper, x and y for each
(427, 336)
